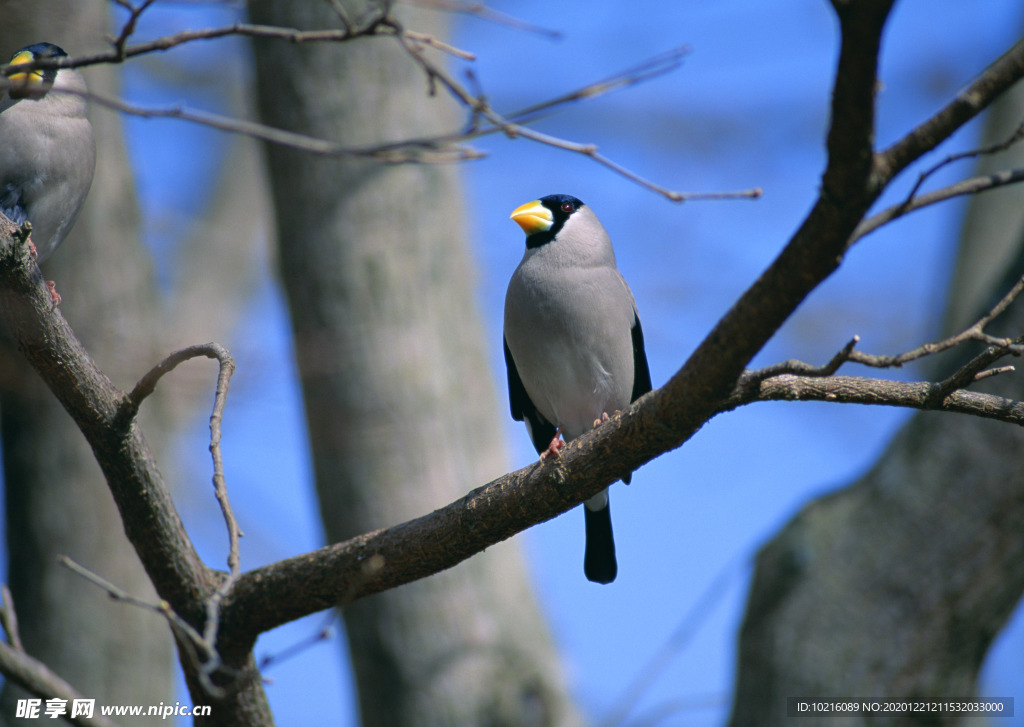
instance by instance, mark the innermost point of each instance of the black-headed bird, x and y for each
(47, 152)
(574, 348)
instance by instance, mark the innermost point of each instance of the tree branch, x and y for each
(884, 392)
(998, 77)
(150, 518)
(974, 185)
(32, 674)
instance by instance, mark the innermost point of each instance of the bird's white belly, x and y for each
(573, 390)
(571, 342)
(572, 384)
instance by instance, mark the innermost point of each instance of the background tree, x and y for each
(400, 406)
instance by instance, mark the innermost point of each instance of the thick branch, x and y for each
(816, 249)
(150, 519)
(377, 561)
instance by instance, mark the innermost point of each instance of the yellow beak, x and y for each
(23, 82)
(533, 217)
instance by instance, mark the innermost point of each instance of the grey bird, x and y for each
(47, 152)
(574, 348)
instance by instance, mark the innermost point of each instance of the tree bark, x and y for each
(57, 501)
(397, 390)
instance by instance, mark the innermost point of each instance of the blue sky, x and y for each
(748, 107)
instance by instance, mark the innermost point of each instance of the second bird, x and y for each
(574, 348)
(47, 154)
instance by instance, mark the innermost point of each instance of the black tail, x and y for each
(599, 557)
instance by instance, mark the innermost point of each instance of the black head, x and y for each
(542, 227)
(40, 79)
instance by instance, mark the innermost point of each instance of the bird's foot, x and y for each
(602, 420)
(54, 295)
(554, 447)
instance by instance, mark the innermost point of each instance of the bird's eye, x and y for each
(567, 207)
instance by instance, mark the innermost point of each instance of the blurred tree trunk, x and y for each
(57, 501)
(896, 586)
(401, 407)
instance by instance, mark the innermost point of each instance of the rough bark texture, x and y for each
(896, 586)
(57, 501)
(401, 409)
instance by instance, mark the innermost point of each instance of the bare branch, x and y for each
(644, 71)
(792, 366)
(203, 652)
(482, 109)
(998, 77)
(144, 388)
(975, 332)
(420, 151)
(129, 25)
(1016, 136)
(37, 678)
(884, 392)
(974, 370)
(9, 619)
(974, 185)
(969, 186)
(441, 149)
(483, 12)
(33, 675)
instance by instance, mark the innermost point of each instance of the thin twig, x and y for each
(483, 12)
(9, 619)
(203, 652)
(974, 370)
(975, 332)
(143, 389)
(653, 67)
(996, 148)
(792, 366)
(119, 594)
(213, 603)
(120, 51)
(35, 676)
(146, 386)
(129, 25)
(418, 151)
(440, 149)
(479, 108)
(974, 185)
(325, 632)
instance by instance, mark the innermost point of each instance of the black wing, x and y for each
(641, 372)
(541, 430)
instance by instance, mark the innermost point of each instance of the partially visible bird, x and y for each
(574, 348)
(47, 152)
